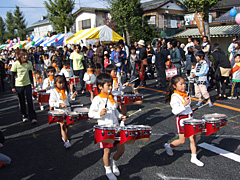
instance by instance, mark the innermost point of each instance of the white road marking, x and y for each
(172, 134)
(162, 176)
(220, 151)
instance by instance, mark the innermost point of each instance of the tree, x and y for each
(20, 23)
(128, 16)
(60, 14)
(202, 6)
(10, 34)
(2, 31)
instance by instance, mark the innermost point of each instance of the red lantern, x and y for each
(56, 40)
(29, 39)
(8, 40)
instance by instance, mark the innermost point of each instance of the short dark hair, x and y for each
(197, 39)
(194, 63)
(200, 54)
(132, 47)
(98, 66)
(173, 42)
(65, 63)
(110, 67)
(90, 65)
(38, 72)
(205, 37)
(103, 78)
(51, 69)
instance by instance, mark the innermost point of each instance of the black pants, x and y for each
(80, 73)
(221, 82)
(21, 92)
(161, 75)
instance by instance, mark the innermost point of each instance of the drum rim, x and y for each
(52, 114)
(204, 116)
(193, 122)
(103, 127)
(73, 115)
(213, 121)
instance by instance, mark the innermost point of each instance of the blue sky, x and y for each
(34, 14)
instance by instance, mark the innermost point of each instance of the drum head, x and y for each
(73, 113)
(215, 116)
(81, 110)
(213, 120)
(55, 112)
(192, 121)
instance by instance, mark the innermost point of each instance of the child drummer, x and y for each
(180, 103)
(108, 116)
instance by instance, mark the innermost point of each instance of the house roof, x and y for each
(226, 17)
(150, 5)
(225, 4)
(89, 9)
(41, 22)
(216, 31)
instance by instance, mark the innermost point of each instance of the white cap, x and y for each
(141, 42)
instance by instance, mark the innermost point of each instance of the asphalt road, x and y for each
(37, 151)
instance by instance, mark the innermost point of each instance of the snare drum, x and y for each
(128, 99)
(138, 99)
(104, 134)
(222, 117)
(72, 117)
(43, 97)
(128, 135)
(55, 116)
(89, 87)
(192, 127)
(95, 89)
(212, 125)
(143, 132)
(82, 112)
(74, 80)
(36, 92)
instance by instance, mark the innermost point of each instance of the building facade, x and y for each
(42, 27)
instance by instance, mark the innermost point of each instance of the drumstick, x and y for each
(134, 113)
(107, 99)
(132, 81)
(199, 107)
(76, 105)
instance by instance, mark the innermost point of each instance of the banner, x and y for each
(19, 42)
(199, 20)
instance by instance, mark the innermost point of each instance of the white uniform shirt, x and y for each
(177, 105)
(117, 92)
(45, 85)
(90, 78)
(112, 115)
(66, 73)
(55, 99)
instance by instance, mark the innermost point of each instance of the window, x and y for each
(86, 24)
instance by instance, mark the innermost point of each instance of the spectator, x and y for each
(189, 44)
(231, 48)
(143, 59)
(175, 55)
(89, 54)
(99, 54)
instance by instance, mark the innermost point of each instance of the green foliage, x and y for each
(128, 15)
(202, 6)
(60, 13)
(2, 31)
(20, 23)
(10, 24)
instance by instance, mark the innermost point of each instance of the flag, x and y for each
(199, 20)
(19, 42)
(65, 36)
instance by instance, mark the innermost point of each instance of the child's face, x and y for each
(193, 67)
(180, 86)
(118, 50)
(54, 64)
(90, 69)
(38, 75)
(133, 51)
(107, 86)
(113, 73)
(51, 73)
(198, 58)
(237, 59)
(60, 84)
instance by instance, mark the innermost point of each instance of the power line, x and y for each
(19, 7)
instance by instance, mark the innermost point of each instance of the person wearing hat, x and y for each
(143, 59)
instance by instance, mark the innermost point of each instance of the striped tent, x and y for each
(103, 33)
(23, 43)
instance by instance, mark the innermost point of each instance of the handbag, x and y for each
(171, 72)
(225, 71)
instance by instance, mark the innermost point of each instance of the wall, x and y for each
(101, 18)
(85, 16)
(41, 31)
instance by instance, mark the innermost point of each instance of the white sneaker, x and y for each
(67, 144)
(210, 104)
(34, 121)
(168, 149)
(232, 97)
(114, 167)
(197, 162)
(41, 108)
(25, 119)
(111, 176)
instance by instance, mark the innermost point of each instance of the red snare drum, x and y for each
(35, 92)
(104, 134)
(222, 117)
(89, 87)
(74, 80)
(55, 116)
(138, 99)
(192, 127)
(72, 117)
(128, 99)
(212, 125)
(82, 112)
(143, 132)
(128, 135)
(43, 97)
(95, 89)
